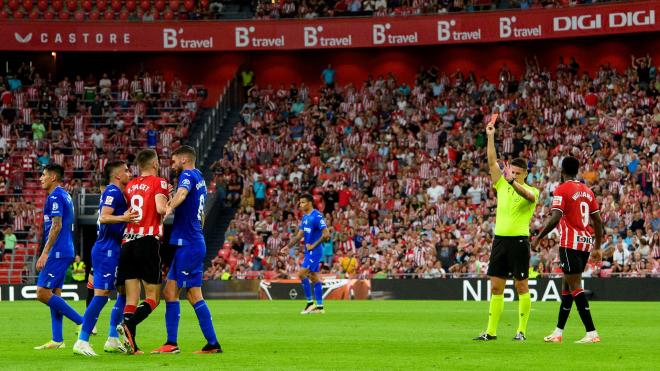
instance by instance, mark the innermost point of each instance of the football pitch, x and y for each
(381, 335)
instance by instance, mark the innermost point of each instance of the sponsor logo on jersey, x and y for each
(163, 184)
(56, 206)
(108, 200)
(556, 201)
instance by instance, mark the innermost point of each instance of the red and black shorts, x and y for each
(573, 261)
(141, 259)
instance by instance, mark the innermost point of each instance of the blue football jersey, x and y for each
(313, 225)
(187, 226)
(59, 203)
(110, 235)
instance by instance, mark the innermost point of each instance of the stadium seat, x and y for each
(28, 5)
(49, 14)
(19, 14)
(87, 5)
(189, 5)
(109, 15)
(116, 5)
(35, 14)
(72, 5)
(131, 5)
(64, 15)
(101, 5)
(13, 5)
(57, 5)
(174, 5)
(94, 15)
(79, 15)
(145, 5)
(159, 5)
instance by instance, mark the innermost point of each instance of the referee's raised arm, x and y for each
(495, 172)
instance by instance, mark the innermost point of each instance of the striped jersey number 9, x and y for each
(136, 203)
(200, 209)
(584, 211)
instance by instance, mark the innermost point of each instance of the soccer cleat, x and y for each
(588, 339)
(308, 308)
(50, 345)
(166, 349)
(83, 348)
(126, 338)
(553, 338)
(485, 337)
(113, 345)
(317, 310)
(519, 337)
(209, 349)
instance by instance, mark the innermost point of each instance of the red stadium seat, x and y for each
(57, 5)
(174, 5)
(79, 15)
(131, 5)
(159, 5)
(28, 5)
(87, 5)
(101, 5)
(123, 15)
(13, 5)
(116, 5)
(189, 5)
(109, 15)
(35, 14)
(94, 15)
(155, 14)
(145, 5)
(72, 5)
(48, 14)
(204, 4)
(168, 15)
(42, 5)
(19, 14)
(64, 15)
(4, 14)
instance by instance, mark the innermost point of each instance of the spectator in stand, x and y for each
(259, 193)
(328, 76)
(98, 139)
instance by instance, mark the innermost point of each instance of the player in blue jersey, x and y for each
(314, 230)
(57, 254)
(113, 216)
(188, 265)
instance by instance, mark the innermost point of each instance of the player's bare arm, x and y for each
(106, 216)
(597, 223)
(54, 232)
(550, 224)
(494, 167)
(177, 200)
(161, 204)
(324, 237)
(294, 240)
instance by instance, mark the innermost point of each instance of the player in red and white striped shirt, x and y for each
(574, 206)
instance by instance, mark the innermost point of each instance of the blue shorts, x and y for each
(105, 262)
(312, 262)
(188, 266)
(52, 275)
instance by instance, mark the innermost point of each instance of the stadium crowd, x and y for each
(400, 171)
(153, 10)
(82, 124)
(351, 8)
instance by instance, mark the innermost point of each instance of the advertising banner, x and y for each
(367, 32)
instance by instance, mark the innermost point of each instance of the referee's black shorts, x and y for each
(573, 261)
(510, 257)
(141, 259)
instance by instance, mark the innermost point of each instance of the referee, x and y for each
(510, 253)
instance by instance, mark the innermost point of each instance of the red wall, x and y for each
(355, 65)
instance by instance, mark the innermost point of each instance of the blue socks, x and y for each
(117, 315)
(91, 316)
(56, 324)
(59, 305)
(205, 322)
(318, 293)
(172, 315)
(307, 287)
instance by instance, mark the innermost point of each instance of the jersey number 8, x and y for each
(136, 203)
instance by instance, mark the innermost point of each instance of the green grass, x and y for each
(404, 335)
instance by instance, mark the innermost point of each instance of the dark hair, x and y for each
(570, 166)
(307, 197)
(519, 162)
(110, 168)
(186, 151)
(145, 156)
(57, 169)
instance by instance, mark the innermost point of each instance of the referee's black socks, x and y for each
(582, 306)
